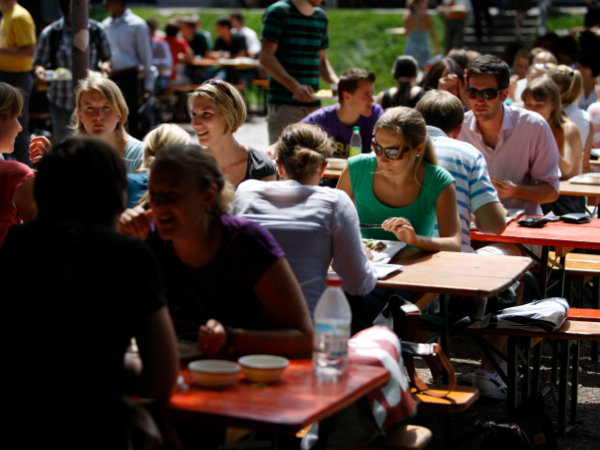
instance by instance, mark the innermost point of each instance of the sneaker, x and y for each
(490, 385)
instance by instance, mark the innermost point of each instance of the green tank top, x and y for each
(421, 213)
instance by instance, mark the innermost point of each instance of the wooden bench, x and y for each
(518, 352)
(584, 266)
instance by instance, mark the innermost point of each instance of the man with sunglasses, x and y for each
(522, 158)
(518, 145)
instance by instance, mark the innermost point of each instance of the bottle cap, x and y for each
(356, 128)
(334, 280)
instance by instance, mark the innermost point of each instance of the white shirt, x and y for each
(252, 42)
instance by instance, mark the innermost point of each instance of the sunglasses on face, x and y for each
(392, 153)
(486, 94)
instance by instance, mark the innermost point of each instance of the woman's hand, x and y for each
(212, 337)
(402, 228)
(38, 147)
(135, 222)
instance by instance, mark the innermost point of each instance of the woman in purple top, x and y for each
(227, 280)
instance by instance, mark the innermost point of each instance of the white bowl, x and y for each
(263, 368)
(215, 373)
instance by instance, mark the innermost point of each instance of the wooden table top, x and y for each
(554, 234)
(295, 401)
(579, 190)
(456, 273)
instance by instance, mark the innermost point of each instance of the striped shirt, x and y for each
(299, 39)
(469, 169)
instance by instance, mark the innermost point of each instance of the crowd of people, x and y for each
(171, 234)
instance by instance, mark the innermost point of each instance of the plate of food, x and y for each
(383, 250)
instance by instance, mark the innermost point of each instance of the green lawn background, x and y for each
(357, 37)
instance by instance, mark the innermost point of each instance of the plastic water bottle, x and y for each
(355, 147)
(332, 330)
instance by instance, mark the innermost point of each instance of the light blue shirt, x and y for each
(130, 44)
(469, 169)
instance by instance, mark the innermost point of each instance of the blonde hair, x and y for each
(228, 100)
(113, 95)
(410, 126)
(569, 82)
(11, 102)
(302, 150)
(159, 137)
(544, 89)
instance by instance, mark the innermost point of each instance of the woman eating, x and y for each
(217, 110)
(400, 187)
(227, 280)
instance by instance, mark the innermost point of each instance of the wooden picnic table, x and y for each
(454, 273)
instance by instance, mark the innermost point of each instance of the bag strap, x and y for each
(406, 317)
(411, 349)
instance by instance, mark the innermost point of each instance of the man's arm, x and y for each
(536, 193)
(269, 61)
(491, 218)
(325, 69)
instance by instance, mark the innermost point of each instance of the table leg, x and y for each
(562, 386)
(574, 382)
(512, 375)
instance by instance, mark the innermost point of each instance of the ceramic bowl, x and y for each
(263, 368)
(214, 373)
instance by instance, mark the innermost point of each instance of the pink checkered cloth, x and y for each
(379, 346)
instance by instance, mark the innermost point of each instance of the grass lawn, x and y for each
(357, 37)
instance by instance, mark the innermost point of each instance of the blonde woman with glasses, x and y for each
(217, 110)
(400, 187)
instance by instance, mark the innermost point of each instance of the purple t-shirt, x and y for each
(327, 119)
(224, 288)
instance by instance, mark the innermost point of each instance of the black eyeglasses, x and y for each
(220, 84)
(487, 94)
(390, 152)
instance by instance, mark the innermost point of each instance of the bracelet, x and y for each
(231, 339)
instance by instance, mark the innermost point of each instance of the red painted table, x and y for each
(562, 236)
(295, 401)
